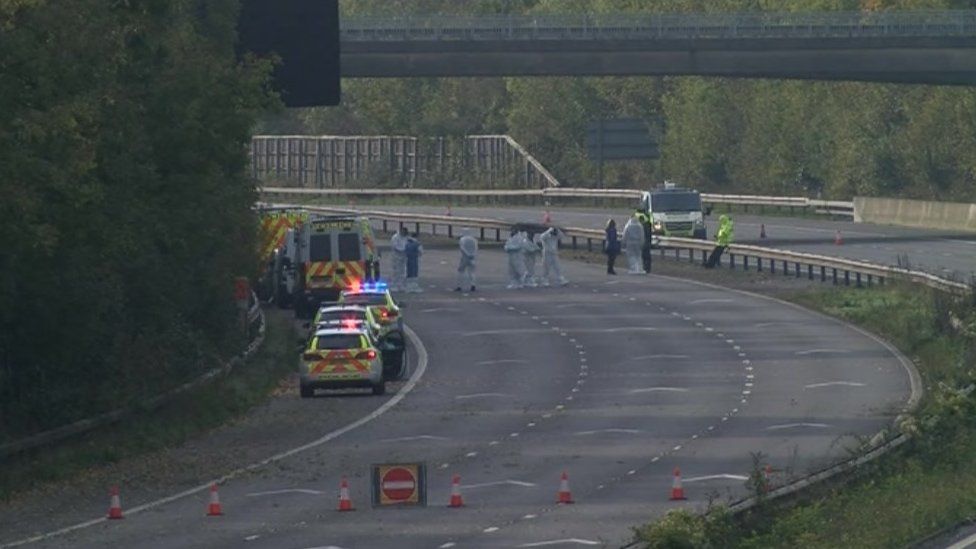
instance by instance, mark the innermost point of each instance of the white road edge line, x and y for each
(723, 476)
(795, 425)
(575, 541)
(286, 491)
(385, 407)
(835, 383)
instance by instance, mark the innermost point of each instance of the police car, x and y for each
(334, 316)
(376, 297)
(338, 358)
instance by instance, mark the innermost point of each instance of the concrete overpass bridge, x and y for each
(928, 47)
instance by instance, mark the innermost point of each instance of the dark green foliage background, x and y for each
(837, 139)
(124, 209)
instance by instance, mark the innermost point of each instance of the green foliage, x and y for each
(683, 529)
(834, 139)
(126, 213)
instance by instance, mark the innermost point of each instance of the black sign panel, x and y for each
(304, 34)
(620, 139)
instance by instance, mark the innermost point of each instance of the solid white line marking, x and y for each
(385, 407)
(480, 395)
(504, 332)
(575, 541)
(520, 483)
(834, 384)
(286, 491)
(723, 476)
(440, 310)
(621, 431)
(700, 301)
(822, 352)
(490, 529)
(418, 437)
(661, 357)
(658, 389)
(503, 361)
(796, 425)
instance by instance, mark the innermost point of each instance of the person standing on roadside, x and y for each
(399, 246)
(552, 272)
(645, 220)
(611, 246)
(413, 250)
(723, 238)
(634, 243)
(516, 260)
(530, 251)
(468, 247)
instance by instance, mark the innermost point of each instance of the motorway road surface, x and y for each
(615, 380)
(944, 253)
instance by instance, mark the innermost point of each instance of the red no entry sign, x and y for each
(399, 484)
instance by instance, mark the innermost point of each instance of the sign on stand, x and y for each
(399, 484)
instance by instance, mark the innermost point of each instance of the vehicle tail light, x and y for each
(368, 355)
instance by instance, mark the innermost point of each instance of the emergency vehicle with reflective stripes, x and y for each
(337, 316)
(277, 281)
(377, 298)
(339, 358)
(326, 255)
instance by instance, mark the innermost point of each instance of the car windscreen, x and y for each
(337, 316)
(676, 202)
(365, 299)
(338, 341)
(320, 247)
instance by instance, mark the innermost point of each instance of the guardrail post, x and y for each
(797, 269)
(858, 278)
(450, 231)
(745, 263)
(847, 277)
(758, 264)
(574, 242)
(498, 235)
(823, 274)
(835, 275)
(731, 261)
(589, 244)
(677, 254)
(772, 266)
(810, 272)
(385, 230)
(869, 280)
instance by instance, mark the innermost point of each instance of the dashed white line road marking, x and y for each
(480, 395)
(507, 331)
(530, 517)
(676, 448)
(383, 408)
(834, 384)
(797, 425)
(619, 431)
(822, 352)
(471, 454)
(520, 483)
(447, 545)
(573, 541)
(660, 357)
(503, 361)
(441, 310)
(658, 389)
(286, 491)
(490, 529)
(723, 476)
(252, 537)
(418, 437)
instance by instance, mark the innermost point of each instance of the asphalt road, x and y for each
(944, 253)
(614, 380)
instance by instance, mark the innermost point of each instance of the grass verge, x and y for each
(190, 414)
(921, 488)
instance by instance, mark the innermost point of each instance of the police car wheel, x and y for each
(380, 388)
(306, 391)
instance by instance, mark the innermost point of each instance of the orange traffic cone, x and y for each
(677, 492)
(564, 496)
(838, 239)
(214, 509)
(456, 500)
(546, 217)
(762, 230)
(345, 503)
(115, 505)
